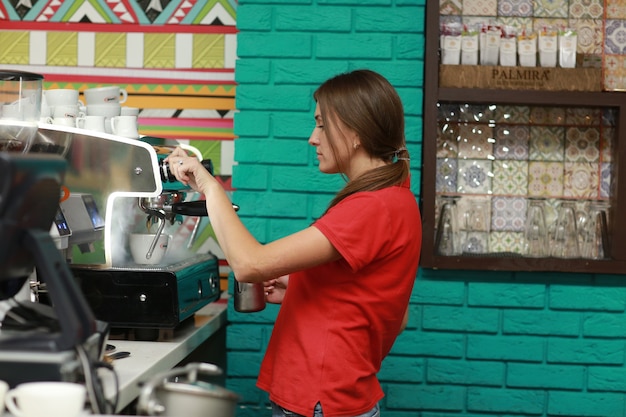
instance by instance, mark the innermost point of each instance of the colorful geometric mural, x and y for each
(175, 58)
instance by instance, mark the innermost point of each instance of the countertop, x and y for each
(150, 358)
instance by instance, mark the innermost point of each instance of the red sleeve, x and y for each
(358, 227)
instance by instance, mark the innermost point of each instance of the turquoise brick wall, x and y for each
(479, 343)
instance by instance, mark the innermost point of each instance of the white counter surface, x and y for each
(150, 358)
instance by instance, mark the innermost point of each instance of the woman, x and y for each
(350, 273)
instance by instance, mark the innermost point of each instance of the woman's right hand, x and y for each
(275, 289)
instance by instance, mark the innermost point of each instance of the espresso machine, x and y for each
(61, 340)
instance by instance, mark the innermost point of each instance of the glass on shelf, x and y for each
(536, 233)
(447, 234)
(476, 222)
(564, 242)
(594, 232)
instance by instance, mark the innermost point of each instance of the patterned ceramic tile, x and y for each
(586, 9)
(542, 22)
(547, 143)
(475, 141)
(615, 72)
(589, 35)
(480, 7)
(17, 54)
(519, 23)
(545, 179)
(508, 213)
(447, 112)
(474, 176)
(607, 137)
(61, 50)
(544, 115)
(476, 113)
(500, 242)
(615, 37)
(515, 8)
(447, 140)
(550, 8)
(615, 9)
(446, 181)
(583, 116)
(512, 114)
(447, 7)
(582, 144)
(581, 179)
(510, 177)
(511, 142)
(468, 206)
(606, 174)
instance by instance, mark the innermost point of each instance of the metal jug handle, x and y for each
(147, 405)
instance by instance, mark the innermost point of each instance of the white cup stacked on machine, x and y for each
(62, 107)
(107, 102)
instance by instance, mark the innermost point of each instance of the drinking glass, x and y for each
(476, 228)
(565, 241)
(536, 234)
(446, 238)
(594, 234)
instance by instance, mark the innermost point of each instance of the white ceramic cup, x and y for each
(66, 110)
(95, 123)
(139, 244)
(125, 126)
(107, 110)
(62, 97)
(50, 399)
(4, 388)
(64, 121)
(105, 95)
(12, 112)
(129, 111)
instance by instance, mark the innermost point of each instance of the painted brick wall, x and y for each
(478, 343)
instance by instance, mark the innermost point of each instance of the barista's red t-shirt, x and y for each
(338, 321)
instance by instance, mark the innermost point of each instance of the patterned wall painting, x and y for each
(175, 58)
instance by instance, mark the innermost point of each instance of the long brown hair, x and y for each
(367, 103)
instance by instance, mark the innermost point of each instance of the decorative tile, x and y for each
(589, 35)
(606, 144)
(500, 242)
(546, 143)
(518, 22)
(474, 176)
(508, 213)
(475, 141)
(512, 114)
(480, 7)
(583, 116)
(544, 115)
(515, 8)
(550, 8)
(615, 72)
(581, 179)
(447, 141)
(615, 9)
(510, 177)
(61, 49)
(582, 144)
(606, 173)
(473, 113)
(475, 213)
(511, 142)
(446, 181)
(447, 112)
(541, 22)
(586, 9)
(615, 37)
(17, 54)
(545, 179)
(450, 7)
